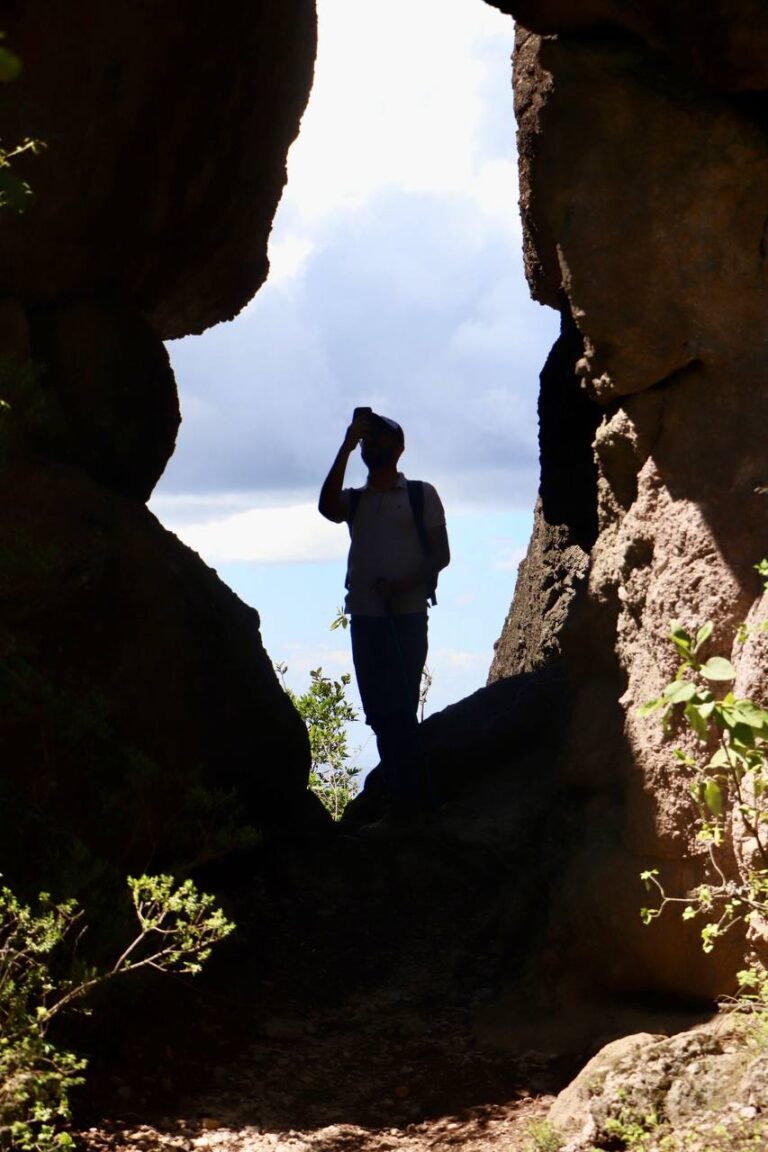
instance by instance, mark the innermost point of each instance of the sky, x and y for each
(396, 281)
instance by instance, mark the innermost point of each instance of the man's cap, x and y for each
(391, 426)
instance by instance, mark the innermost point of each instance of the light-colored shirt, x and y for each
(385, 545)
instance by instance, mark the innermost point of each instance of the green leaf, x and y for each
(679, 692)
(718, 668)
(703, 635)
(677, 632)
(14, 193)
(698, 723)
(10, 65)
(680, 638)
(650, 706)
(713, 797)
(749, 713)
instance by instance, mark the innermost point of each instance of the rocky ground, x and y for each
(342, 1019)
(347, 1017)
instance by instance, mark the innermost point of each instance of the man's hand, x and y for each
(356, 431)
(330, 503)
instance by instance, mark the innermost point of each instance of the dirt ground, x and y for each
(342, 1018)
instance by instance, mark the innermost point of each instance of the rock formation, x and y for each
(644, 184)
(140, 712)
(142, 720)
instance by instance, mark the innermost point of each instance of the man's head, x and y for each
(383, 443)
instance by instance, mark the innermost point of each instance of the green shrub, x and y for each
(177, 927)
(325, 710)
(727, 772)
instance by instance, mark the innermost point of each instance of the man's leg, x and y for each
(389, 655)
(408, 634)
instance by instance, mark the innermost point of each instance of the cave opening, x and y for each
(397, 281)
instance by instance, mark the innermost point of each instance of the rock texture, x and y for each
(720, 42)
(142, 724)
(141, 716)
(644, 179)
(709, 1084)
(166, 130)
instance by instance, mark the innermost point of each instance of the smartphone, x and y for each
(362, 412)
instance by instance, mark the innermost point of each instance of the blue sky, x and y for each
(396, 281)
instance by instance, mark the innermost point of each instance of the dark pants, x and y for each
(389, 654)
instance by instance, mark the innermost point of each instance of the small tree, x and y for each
(325, 710)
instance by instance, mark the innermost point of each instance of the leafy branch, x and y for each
(14, 193)
(727, 774)
(178, 926)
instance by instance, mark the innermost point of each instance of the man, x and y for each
(392, 570)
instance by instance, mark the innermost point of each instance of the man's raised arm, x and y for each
(330, 503)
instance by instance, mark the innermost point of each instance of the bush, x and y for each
(177, 925)
(325, 710)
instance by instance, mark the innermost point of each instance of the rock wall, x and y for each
(142, 721)
(166, 130)
(643, 134)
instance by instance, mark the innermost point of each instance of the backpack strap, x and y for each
(416, 497)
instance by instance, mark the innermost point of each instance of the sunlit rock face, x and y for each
(142, 721)
(643, 136)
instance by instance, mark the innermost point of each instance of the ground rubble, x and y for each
(352, 998)
(350, 1019)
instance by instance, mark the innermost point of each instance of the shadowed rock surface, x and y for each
(142, 723)
(719, 41)
(167, 127)
(141, 716)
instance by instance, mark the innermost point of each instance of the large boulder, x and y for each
(104, 394)
(142, 723)
(707, 1084)
(166, 129)
(141, 716)
(643, 186)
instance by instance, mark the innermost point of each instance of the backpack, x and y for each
(415, 489)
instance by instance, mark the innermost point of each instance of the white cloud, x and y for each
(399, 118)
(289, 253)
(384, 116)
(283, 535)
(446, 658)
(509, 559)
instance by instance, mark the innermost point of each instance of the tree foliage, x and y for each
(325, 710)
(177, 927)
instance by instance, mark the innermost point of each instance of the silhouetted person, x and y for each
(398, 545)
